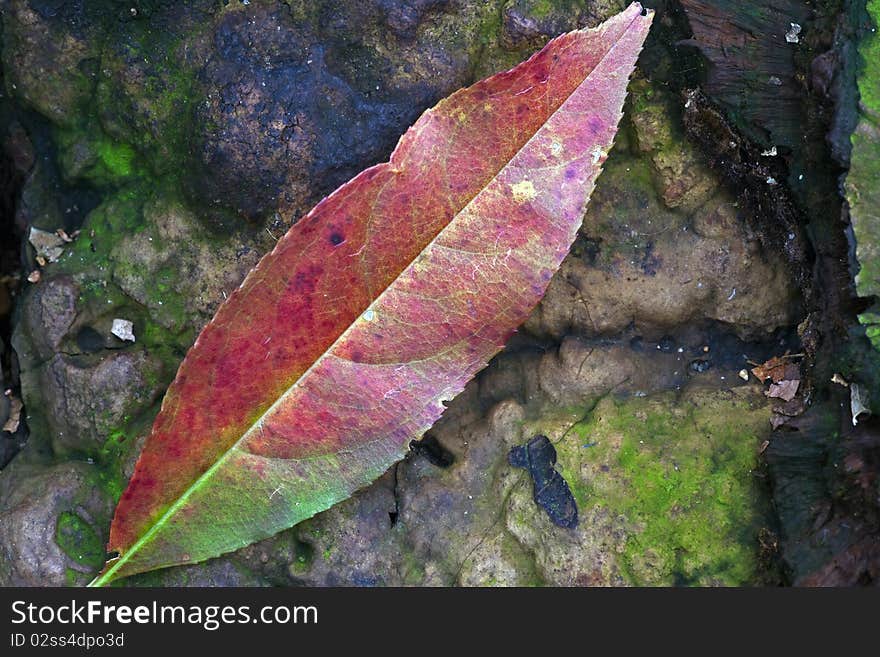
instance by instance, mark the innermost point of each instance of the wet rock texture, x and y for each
(54, 523)
(181, 139)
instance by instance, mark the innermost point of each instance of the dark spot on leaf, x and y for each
(336, 239)
(550, 491)
(303, 282)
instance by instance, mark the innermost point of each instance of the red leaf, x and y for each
(378, 306)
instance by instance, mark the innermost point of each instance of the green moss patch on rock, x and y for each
(862, 189)
(147, 87)
(86, 153)
(142, 256)
(78, 540)
(667, 485)
(56, 517)
(681, 176)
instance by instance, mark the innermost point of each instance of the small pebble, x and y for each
(123, 329)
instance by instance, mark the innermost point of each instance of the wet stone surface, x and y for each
(182, 140)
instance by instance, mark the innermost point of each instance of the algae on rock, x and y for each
(863, 179)
(676, 478)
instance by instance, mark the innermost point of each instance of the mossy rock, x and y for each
(667, 492)
(862, 190)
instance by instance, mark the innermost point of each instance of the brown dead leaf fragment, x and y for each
(785, 389)
(791, 372)
(778, 368)
(791, 408)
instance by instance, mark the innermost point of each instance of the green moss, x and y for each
(94, 261)
(872, 320)
(137, 120)
(869, 49)
(78, 540)
(153, 109)
(680, 473)
(72, 577)
(119, 448)
(86, 153)
(90, 261)
(543, 8)
(862, 190)
(117, 158)
(489, 28)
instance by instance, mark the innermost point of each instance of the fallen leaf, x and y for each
(376, 307)
(778, 368)
(858, 402)
(791, 408)
(784, 389)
